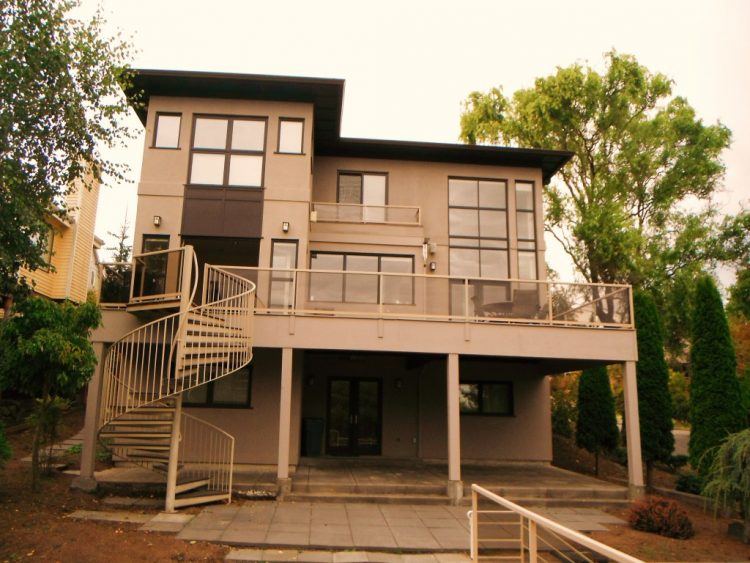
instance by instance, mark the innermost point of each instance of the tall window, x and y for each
(486, 398)
(368, 189)
(363, 287)
(167, 131)
(228, 151)
(290, 135)
(526, 229)
(478, 228)
(283, 257)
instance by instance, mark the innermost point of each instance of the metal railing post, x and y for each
(532, 542)
(474, 526)
(174, 453)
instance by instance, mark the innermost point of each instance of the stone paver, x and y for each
(167, 522)
(342, 557)
(102, 516)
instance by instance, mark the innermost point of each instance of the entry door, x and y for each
(354, 417)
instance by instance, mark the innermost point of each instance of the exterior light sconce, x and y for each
(399, 383)
(433, 266)
(285, 226)
(157, 220)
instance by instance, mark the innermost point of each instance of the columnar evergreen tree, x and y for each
(715, 397)
(654, 400)
(596, 430)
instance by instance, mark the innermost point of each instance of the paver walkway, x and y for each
(346, 526)
(342, 556)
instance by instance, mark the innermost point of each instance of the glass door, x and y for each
(354, 417)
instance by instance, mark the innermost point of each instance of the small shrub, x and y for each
(661, 516)
(677, 461)
(689, 483)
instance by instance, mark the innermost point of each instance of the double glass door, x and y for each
(354, 417)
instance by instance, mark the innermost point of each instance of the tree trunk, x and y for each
(7, 305)
(35, 456)
(596, 464)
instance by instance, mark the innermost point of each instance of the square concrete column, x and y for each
(632, 430)
(455, 486)
(85, 481)
(285, 421)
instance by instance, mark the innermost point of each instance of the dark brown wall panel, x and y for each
(220, 212)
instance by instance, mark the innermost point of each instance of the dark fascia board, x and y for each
(550, 161)
(327, 95)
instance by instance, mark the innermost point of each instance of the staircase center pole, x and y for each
(174, 450)
(174, 441)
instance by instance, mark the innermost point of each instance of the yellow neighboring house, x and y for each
(73, 247)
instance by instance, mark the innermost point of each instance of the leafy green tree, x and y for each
(45, 353)
(596, 430)
(728, 478)
(679, 390)
(60, 102)
(739, 296)
(715, 400)
(639, 154)
(652, 374)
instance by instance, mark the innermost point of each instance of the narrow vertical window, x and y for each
(167, 131)
(291, 135)
(526, 230)
(283, 259)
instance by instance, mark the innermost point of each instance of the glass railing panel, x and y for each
(115, 283)
(157, 275)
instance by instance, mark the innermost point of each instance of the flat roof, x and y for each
(327, 96)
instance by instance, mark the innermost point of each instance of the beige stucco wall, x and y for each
(414, 406)
(164, 173)
(256, 430)
(424, 184)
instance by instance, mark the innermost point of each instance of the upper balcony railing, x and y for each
(359, 213)
(152, 277)
(385, 295)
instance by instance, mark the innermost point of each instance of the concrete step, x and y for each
(199, 497)
(370, 498)
(367, 488)
(615, 493)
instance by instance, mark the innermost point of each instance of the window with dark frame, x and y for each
(492, 398)
(154, 243)
(291, 135)
(526, 230)
(232, 391)
(228, 151)
(361, 287)
(283, 257)
(49, 245)
(167, 131)
(366, 189)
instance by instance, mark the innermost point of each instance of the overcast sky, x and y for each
(408, 65)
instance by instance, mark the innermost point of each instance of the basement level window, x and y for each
(232, 391)
(167, 131)
(486, 398)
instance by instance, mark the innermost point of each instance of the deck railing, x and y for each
(501, 530)
(365, 213)
(157, 276)
(388, 295)
(114, 288)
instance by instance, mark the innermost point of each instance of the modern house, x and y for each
(71, 249)
(299, 295)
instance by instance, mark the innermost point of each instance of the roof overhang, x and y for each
(327, 96)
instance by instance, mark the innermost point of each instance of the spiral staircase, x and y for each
(148, 370)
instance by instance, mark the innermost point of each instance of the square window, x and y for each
(469, 398)
(167, 134)
(497, 398)
(524, 196)
(492, 224)
(492, 194)
(248, 134)
(207, 169)
(210, 133)
(290, 136)
(462, 193)
(464, 262)
(245, 170)
(463, 222)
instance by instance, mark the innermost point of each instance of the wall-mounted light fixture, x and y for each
(399, 383)
(433, 266)
(157, 220)
(285, 226)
